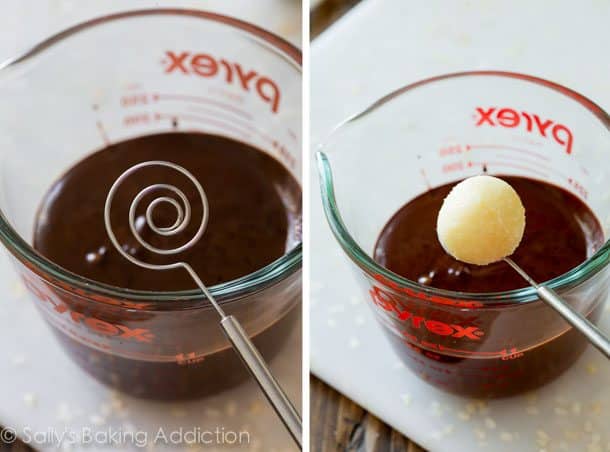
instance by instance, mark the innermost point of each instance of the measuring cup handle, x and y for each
(261, 373)
(577, 320)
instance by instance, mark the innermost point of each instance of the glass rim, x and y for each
(350, 246)
(264, 277)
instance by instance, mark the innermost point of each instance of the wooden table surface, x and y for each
(13, 445)
(337, 423)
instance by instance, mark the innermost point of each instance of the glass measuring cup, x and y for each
(128, 75)
(439, 131)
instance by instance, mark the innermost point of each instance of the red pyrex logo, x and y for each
(97, 325)
(510, 118)
(205, 65)
(384, 301)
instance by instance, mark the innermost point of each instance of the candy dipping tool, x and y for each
(230, 326)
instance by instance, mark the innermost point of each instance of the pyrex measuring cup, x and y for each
(128, 75)
(439, 131)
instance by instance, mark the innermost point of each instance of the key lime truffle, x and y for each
(481, 220)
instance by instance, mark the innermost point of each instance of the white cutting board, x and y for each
(377, 47)
(41, 389)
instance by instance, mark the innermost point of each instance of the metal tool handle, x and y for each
(570, 315)
(267, 382)
(577, 320)
(233, 330)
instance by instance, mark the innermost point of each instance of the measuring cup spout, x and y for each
(327, 190)
(331, 208)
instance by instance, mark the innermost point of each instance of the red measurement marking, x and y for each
(452, 167)
(473, 353)
(513, 354)
(510, 148)
(502, 354)
(188, 358)
(220, 124)
(137, 119)
(456, 149)
(202, 100)
(134, 99)
(489, 163)
(578, 187)
(102, 131)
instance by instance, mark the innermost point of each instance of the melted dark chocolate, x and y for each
(254, 206)
(560, 233)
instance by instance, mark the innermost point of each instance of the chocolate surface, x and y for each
(560, 233)
(254, 207)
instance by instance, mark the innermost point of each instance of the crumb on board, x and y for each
(506, 436)
(30, 399)
(489, 423)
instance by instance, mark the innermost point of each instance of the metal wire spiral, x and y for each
(183, 218)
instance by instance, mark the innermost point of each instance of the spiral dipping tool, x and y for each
(229, 324)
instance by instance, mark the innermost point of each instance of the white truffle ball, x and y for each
(481, 220)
